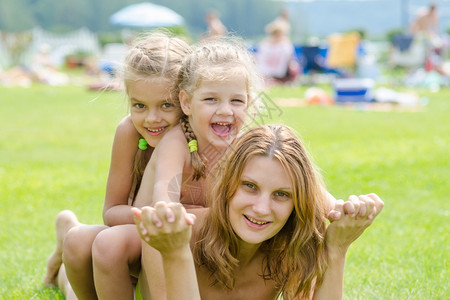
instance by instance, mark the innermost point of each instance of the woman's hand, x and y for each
(350, 219)
(166, 227)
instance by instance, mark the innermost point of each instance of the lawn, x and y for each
(54, 154)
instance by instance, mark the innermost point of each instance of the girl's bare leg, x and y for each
(65, 220)
(77, 258)
(64, 285)
(116, 255)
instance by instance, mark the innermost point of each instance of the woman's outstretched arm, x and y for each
(167, 228)
(355, 216)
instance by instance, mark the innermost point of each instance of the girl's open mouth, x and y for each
(221, 129)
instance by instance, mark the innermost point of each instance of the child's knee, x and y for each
(107, 246)
(114, 245)
(76, 249)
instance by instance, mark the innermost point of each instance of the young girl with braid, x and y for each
(216, 85)
(150, 71)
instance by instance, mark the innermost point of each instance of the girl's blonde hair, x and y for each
(156, 56)
(215, 59)
(295, 257)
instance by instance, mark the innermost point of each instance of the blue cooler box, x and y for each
(354, 90)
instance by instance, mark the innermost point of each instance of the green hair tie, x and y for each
(142, 144)
(193, 146)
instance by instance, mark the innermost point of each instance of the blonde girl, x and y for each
(150, 72)
(264, 234)
(216, 83)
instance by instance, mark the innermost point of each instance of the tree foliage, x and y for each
(243, 17)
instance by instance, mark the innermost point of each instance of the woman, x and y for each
(264, 234)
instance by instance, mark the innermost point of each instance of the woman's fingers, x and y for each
(176, 209)
(165, 217)
(138, 220)
(337, 211)
(378, 205)
(162, 214)
(363, 206)
(167, 212)
(359, 207)
(147, 213)
(366, 206)
(190, 219)
(168, 226)
(351, 207)
(136, 212)
(146, 222)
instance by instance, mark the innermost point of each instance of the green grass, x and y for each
(54, 154)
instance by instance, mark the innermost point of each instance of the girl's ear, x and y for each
(184, 102)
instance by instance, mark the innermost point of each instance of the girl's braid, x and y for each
(198, 164)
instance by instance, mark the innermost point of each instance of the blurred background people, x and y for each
(281, 23)
(425, 27)
(43, 70)
(215, 26)
(426, 21)
(276, 53)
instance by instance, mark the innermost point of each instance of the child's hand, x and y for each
(165, 227)
(352, 218)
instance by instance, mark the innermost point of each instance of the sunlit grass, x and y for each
(55, 149)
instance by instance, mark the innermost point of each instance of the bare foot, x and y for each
(65, 220)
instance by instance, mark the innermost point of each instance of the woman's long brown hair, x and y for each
(295, 256)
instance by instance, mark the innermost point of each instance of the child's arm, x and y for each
(116, 210)
(163, 175)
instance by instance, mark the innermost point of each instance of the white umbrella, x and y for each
(146, 15)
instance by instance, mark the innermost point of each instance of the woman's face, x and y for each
(263, 201)
(151, 112)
